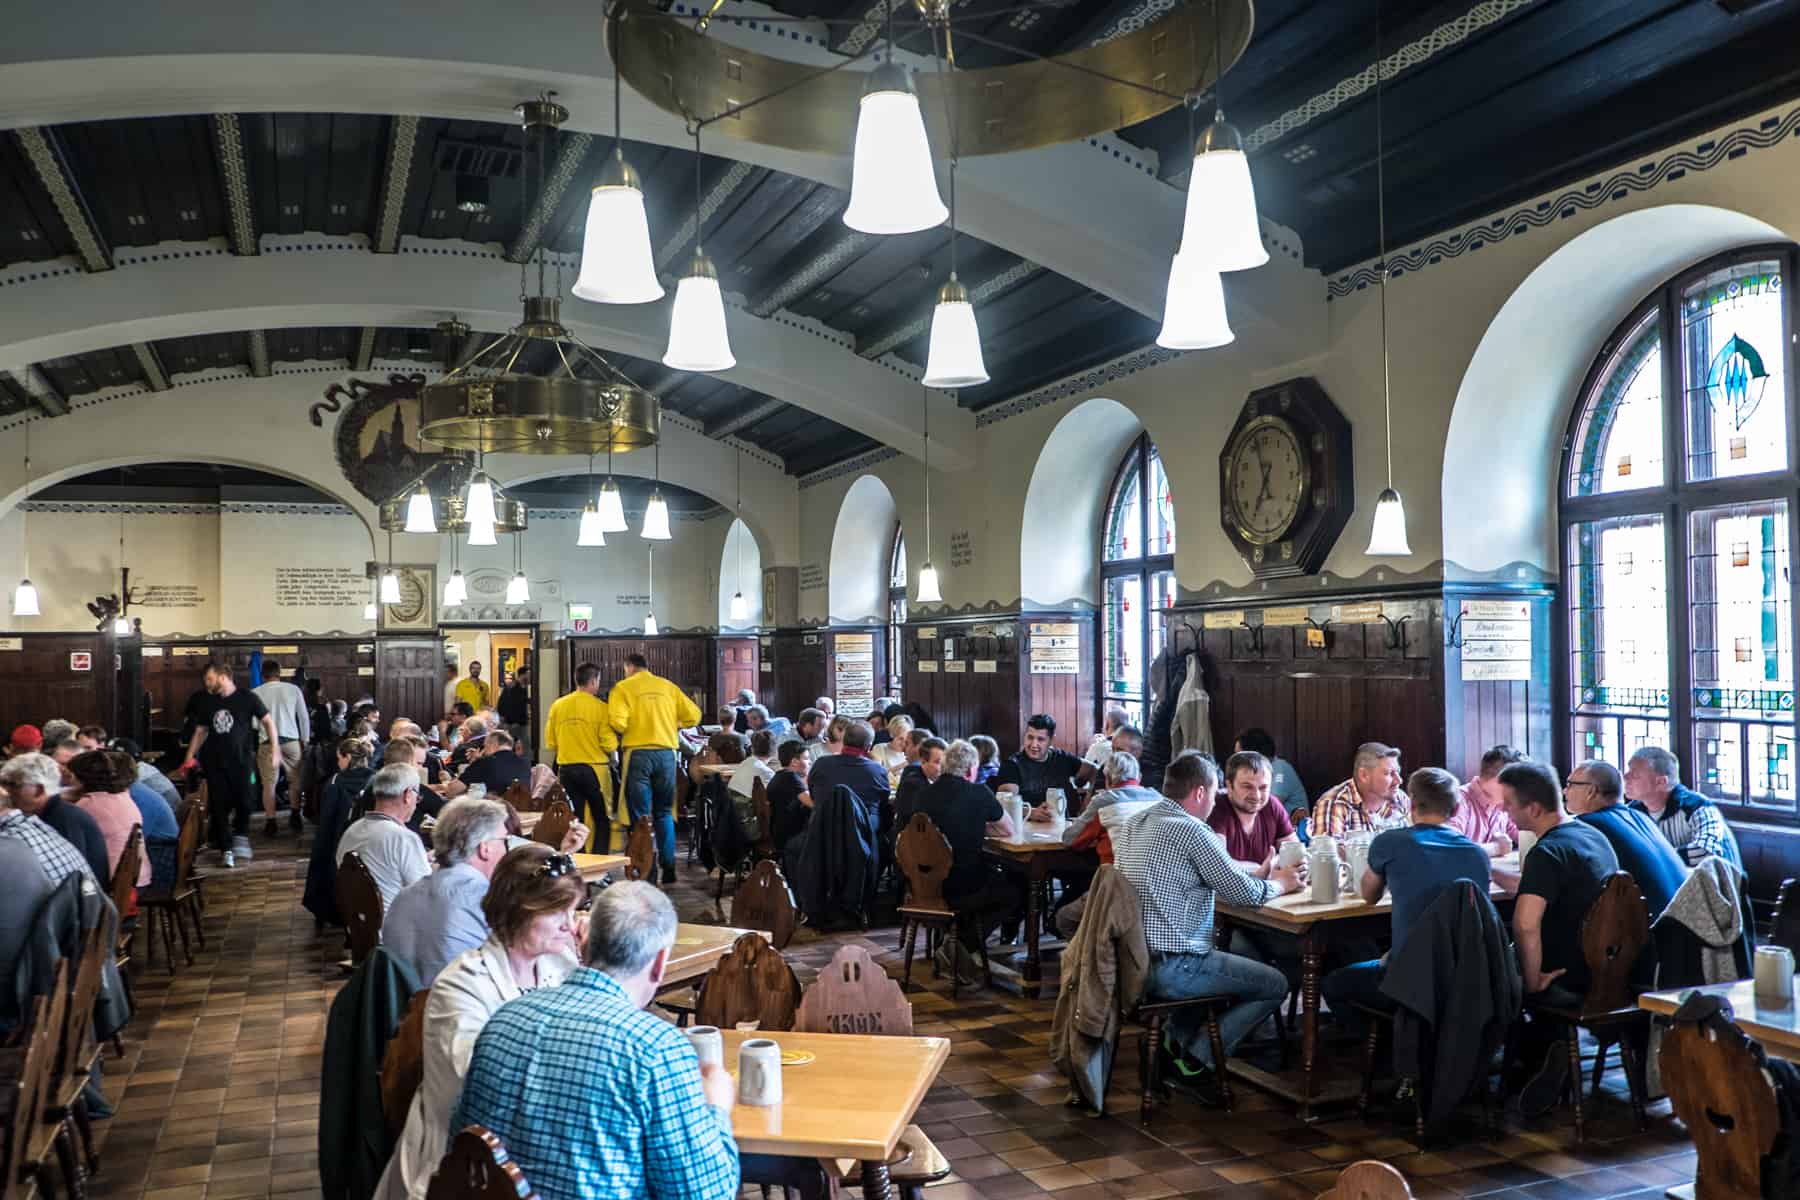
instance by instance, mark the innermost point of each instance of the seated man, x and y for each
(967, 814)
(917, 777)
(393, 853)
(499, 766)
(1178, 866)
(1100, 749)
(1284, 781)
(810, 727)
(757, 717)
(759, 764)
(593, 1097)
(434, 920)
(852, 769)
(1253, 829)
(1123, 795)
(1595, 793)
(790, 804)
(1370, 799)
(1692, 823)
(1039, 766)
(1415, 863)
(1481, 817)
(1559, 881)
(1126, 737)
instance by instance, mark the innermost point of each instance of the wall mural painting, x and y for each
(377, 433)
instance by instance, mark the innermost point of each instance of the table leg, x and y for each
(1033, 974)
(1309, 1018)
(875, 1184)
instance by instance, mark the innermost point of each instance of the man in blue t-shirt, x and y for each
(1595, 792)
(1415, 863)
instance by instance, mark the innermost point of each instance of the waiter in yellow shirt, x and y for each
(579, 736)
(474, 690)
(647, 710)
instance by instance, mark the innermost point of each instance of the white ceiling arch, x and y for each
(1078, 209)
(321, 281)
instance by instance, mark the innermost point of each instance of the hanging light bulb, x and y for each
(1387, 539)
(1220, 230)
(656, 518)
(697, 337)
(25, 596)
(616, 263)
(612, 508)
(1194, 311)
(390, 586)
(480, 509)
(456, 589)
(25, 599)
(122, 626)
(740, 607)
(1387, 534)
(519, 590)
(421, 516)
(928, 585)
(928, 578)
(369, 612)
(650, 629)
(954, 358)
(892, 186)
(591, 533)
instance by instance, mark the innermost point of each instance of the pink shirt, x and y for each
(1480, 824)
(116, 813)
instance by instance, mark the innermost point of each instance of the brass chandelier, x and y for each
(537, 389)
(445, 487)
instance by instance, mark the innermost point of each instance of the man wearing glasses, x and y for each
(1595, 793)
(393, 853)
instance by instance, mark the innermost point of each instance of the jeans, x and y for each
(1259, 991)
(1358, 983)
(650, 791)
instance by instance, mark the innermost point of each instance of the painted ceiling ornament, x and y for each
(377, 434)
(1736, 379)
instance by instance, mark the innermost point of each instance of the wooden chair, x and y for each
(640, 849)
(751, 983)
(854, 995)
(1613, 934)
(175, 907)
(1717, 1088)
(403, 1064)
(359, 903)
(759, 803)
(1152, 1017)
(41, 1126)
(477, 1167)
(925, 859)
(1784, 929)
(1369, 1180)
(124, 888)
(23, 1156)
(77, 1048)
(519, 796)
(764, 901)
(553, 825)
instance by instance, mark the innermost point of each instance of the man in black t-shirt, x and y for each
(223, 746)
(499, 767)
(514, 707)
(1039, 766)
(790, 804)
(1559, 880)
(966, 813)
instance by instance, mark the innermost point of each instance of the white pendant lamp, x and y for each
(456, 590)
(1194, 315)
(369, 611)
(954, 359)
(25, 596)
(518, 591)
(1220, 229)
(650, 629)
(740, 607)
(697, 336)
(390, 586)
(25, 599)
(590, 533)
(617, 266)
(892, 186)
(1387, 535)
(479, 506)
(656, 518)
(421, 516)
(122, 627)
(927, 592)
(612, 508)
(928, 586)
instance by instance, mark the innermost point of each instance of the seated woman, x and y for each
(339, 798)
(535, 940)
(105, 778)
(989, 767)
(890, 756)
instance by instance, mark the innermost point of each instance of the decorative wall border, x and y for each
(1671, 165)
(1130, 363)
(132, 507)
(850, 466)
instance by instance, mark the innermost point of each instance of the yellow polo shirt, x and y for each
(578, 730)
(647, 710)
(472, 692)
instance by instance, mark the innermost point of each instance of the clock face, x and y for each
(1269, 472)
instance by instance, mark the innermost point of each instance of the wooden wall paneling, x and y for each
(409, 677)
(1483, 713)
(1068, 698)
(173, 670)
(799, 676)
(736, 667)
(684, 659)
(38, 682)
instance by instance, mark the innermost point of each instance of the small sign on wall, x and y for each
(579, 624)
(81, 660)
(18, 644)
(927, 666)
(1483, 672)
(1229, 619)
(956, 667)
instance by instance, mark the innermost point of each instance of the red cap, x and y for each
(27, 737)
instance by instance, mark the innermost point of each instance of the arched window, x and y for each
(896, 596)
(1137, 556)
(1678, 486)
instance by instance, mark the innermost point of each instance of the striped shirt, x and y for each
(1341, 811)
(1177, 865)
(54, 852)
(1695, 827)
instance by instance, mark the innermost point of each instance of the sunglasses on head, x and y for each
(557, 865)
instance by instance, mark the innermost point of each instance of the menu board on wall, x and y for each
(1055, 648)
(1496, 640)
(854, 655)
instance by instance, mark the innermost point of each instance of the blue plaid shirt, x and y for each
(595, 1098)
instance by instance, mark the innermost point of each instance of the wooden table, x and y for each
(698, 949)
(713, 768)
(528, 821)
(1777, 1028)
(854, 1101)
(594, 867)
(1039, 853)
(1296, 914)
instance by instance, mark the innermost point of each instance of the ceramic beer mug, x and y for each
(759, 1072)
(1774, 974)
(708, 1043)
(1325, 868)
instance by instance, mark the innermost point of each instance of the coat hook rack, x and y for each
(1453, 632)
(1396, 636)
(1256, 637)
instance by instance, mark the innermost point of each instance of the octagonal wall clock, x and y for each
(1286, 483)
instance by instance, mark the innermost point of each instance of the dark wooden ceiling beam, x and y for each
(902, 332)
(43, 393)
(234, 182)
(745, 417)
(402, 139)
(50, 163)
(571, 163)
(713, 199)
(150, 362)
(838, 252)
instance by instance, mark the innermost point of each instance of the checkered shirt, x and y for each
(1340, 811)
(1177, 864)
(54, 853)
(596, 1099)
(1695, 827)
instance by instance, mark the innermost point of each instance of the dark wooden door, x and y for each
(67, 675)
(737, 670)
(409, 678)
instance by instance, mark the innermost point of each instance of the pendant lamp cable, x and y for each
(946, 62)
(740, 516)
(925, 394)
(24, 542)
(699, 209)
(1387, 398)
(1218, 69)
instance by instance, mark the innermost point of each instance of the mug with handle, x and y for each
(759, 1072)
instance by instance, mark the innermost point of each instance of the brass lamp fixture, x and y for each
(538, 389)
(447, 484)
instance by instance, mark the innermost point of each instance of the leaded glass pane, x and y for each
(1739, 605)
(1619, 440)
(1618, 616)
(1124, 521)
(1124, 644)
(1733, 357)
(1162, 509)
(897, 564)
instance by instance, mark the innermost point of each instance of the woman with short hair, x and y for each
(535, 940)
(341, 791)
(105, 778)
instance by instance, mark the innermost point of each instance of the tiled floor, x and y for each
(218, 1091)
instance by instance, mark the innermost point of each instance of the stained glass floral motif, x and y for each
(1731, 368)
(1618, 621)
(1619, 440)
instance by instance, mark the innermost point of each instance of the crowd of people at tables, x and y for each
(534, 998)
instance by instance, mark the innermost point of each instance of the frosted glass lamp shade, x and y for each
(893, 188)
(518, 591)
(617, 266)
(1220, 229)
(25, 599)
(456, 590)
(1387, 539)
(697, 337)
(420, 517)
(612, 508)
(121, 626)
(954, 357)
(650, 624)
(590, 533)
(928, 586)
(656, 518)
(1194, 315)
(390, 587)
(480, 508)
(369, 611)
(740, 607)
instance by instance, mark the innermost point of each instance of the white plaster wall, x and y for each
(740, 570)
(861, 538)
(74, 557)
(252, 547)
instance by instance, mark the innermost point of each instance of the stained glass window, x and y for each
(1619, 438)
(1125, 515)
(1732, 356)
(1137, 545)
(896, 630)
(1618, 616)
